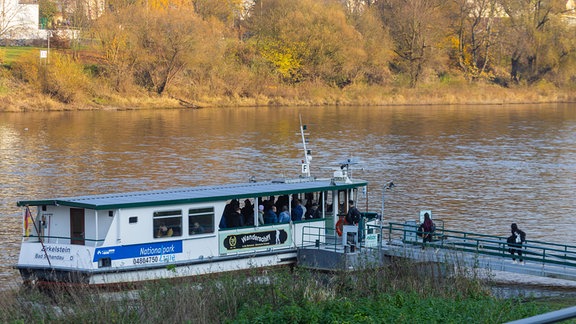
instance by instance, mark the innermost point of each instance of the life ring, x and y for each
(339, 226)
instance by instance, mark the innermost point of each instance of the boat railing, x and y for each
(320, 237)
(493, 245)
(49, 239)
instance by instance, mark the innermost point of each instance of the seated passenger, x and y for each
(284, 216)
(197, 228)
(313, 212)
(162, 231)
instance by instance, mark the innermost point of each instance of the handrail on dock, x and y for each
(532, 250)
(406, 233)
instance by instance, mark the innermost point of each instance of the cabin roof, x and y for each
(195, 194)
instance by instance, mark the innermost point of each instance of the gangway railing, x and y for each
(321, 237)
(532, 250)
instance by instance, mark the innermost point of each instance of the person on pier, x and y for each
(515, 243)
(427, 230)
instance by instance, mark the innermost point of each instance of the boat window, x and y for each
(201, 220)
(168, 223)
(343, 201)
(104, 262)
(133, 219)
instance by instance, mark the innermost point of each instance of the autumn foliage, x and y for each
(276, 50)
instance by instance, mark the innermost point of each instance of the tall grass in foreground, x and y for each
(401, 293)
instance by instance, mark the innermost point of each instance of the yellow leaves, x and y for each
(64, 79)
(283, 57)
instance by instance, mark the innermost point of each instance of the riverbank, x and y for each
(23, 99)
(399, 294)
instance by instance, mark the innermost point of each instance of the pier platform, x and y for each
(487, 254)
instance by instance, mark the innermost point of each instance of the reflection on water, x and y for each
(478, 168)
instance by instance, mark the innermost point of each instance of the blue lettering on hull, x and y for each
(137, 250)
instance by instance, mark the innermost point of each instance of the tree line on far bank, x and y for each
(197, 49)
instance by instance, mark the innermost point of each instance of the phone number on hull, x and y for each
(154, 259)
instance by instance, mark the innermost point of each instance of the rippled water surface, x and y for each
(478, 168)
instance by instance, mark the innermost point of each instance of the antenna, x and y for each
(307, 156)
(346, 166)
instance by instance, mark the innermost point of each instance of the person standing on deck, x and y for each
(353, 216)
(515, 242)
(270, 216)
(235, 218)
(260, 215)
(284, 216)
(248, 213)
(428, 228)
(297, 210)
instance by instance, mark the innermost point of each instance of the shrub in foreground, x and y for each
(399, 294)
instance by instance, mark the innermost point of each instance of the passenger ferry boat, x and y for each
(139, 236)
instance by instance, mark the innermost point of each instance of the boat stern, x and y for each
(55, 262)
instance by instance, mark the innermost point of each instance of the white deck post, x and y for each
(255, 207)
(96, 227)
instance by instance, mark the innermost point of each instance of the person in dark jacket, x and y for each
(235, 219)
(248, 213)
(427, 229)
(313, 212)
(515, 242)
(353, 216)
(297, 210)
(270, 216)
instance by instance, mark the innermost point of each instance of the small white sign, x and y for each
(43, 54)
(371, 240)
(305, 168)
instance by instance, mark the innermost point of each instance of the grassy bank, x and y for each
(401, 293)
(21, 98)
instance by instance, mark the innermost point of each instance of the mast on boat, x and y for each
(307, 155)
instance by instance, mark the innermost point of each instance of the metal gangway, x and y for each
(322, 248)
(461, 248)
(491, 252)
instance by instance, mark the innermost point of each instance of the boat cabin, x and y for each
(148, 235)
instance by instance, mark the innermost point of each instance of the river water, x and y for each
(479, 168)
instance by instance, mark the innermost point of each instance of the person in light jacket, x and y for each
(284, 216)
